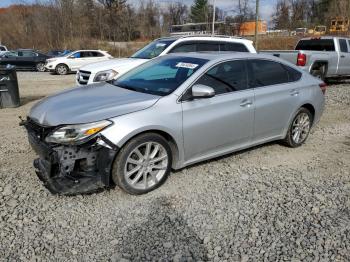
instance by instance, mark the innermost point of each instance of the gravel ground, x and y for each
(268, 203)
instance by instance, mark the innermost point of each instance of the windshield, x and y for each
(153, 49)
(160, 76)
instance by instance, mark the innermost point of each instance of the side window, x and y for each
(233, 47)
(77, 55)
(343, 46)
(349, 44)
(86, 54)
(208, 46)
(265, 73)
(189, 47)
(12, 54)
(293, 75)
(28, 54)
(97, 54)
(226, 77)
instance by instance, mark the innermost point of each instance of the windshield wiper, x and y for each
(128, 87)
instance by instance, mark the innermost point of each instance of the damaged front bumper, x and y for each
(71, 169)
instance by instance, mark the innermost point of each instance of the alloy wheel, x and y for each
(301, 128)
(146, 165)
(62, 70)
(40, 67)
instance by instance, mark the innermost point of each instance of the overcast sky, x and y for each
(267, 6)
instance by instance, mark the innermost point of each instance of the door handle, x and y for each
(343, 56)
(294, 92)
(246, 103)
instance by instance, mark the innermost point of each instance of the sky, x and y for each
(266, 6)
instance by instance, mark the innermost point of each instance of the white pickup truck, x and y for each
(324, 57)
(114, 68)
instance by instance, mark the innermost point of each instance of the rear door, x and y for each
(344, 57)
(89, 57)
(221, 123)
(26, 59)
(277, 91)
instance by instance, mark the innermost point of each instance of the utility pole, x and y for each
(256, 24)
(213, 25)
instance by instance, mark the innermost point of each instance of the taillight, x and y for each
(301, 60)
(323, 87)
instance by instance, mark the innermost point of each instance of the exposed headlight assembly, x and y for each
(76, 134)
(105, 75)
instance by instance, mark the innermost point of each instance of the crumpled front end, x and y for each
(71, 169)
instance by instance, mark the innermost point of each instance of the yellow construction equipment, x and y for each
(320, 30)
(339, 25)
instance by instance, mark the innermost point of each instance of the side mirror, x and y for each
(71, 57)
(202, 91)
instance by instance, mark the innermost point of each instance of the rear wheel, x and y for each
(143, 164)
(299, 129)
(62, 69)
(40, 67)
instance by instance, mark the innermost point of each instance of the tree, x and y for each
(281, 18)
(178, 13)
(199, 11)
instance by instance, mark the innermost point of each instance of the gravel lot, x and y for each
(268, 203)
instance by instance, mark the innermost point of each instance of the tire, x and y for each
(319, 73)
(62, 69)
(40, 67)
(293, 140)
(138, 172)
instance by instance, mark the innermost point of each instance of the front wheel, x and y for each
(299, 129)
(143, 164)
(62, 69)
(40, 67)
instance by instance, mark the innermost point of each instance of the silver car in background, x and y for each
(166, 114)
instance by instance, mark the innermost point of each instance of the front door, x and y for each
(344, 58)
(217, 125)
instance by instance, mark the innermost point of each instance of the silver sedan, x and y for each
(166, 114)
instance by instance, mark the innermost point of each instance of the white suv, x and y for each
(112, 69)
(71, 62)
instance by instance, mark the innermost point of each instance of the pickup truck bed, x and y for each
(323, 57)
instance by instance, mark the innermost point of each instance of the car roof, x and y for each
(89, 50)
(324, 37)
(205, 37)
(213, 56)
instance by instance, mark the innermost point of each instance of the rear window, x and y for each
(316, 45)
(2, 48)
(233, 47)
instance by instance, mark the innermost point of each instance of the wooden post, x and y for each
(256, 25)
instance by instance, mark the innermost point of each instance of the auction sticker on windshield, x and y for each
(186, 65)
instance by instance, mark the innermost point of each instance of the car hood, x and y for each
(89, 104)
(120, 65)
